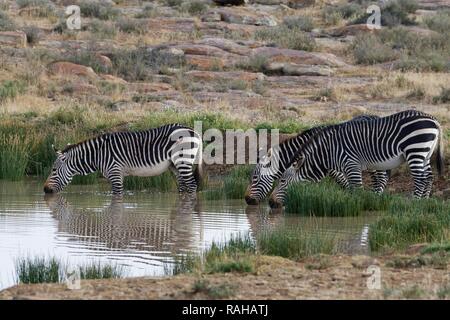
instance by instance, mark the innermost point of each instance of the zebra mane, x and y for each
(74, 145)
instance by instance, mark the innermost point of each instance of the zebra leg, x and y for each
(417, 168)
(354, 175)
(379, 181)
(180, 182)
(186, 178)
(115, 177)
(339, 178)
(429, 180)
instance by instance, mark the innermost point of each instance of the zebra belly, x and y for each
(390, 164)
(148, 171)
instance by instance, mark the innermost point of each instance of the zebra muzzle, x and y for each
(47, 189)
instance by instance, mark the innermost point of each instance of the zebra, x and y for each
(265, 174)
(132, 153)
(381, 144)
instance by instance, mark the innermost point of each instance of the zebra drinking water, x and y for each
(140, 153)
(379, 144)
(266, 173)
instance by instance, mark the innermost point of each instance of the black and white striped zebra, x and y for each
(279, 158)
(132, 153)
(380, 144)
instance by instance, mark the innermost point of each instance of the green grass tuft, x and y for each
(295, 243)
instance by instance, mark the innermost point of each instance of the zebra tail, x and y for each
(440, 159)
(198, 172)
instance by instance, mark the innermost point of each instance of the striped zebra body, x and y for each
(380, 144)
(280, 158)
(138, 153)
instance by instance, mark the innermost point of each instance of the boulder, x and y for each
(433, 4)
(230, 75)
(17, 39)
(274, 54)
(241, 15)
(349, 30)
(292, 69)
(71, 69)
(205, 62)
(147, 87)
(296, 4)
(226, 45)
(113, 79)
(230, 2)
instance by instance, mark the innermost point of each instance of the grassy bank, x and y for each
(26, 139)
(53, 270)
(328, 199)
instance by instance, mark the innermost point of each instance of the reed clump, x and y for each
(295, 243)
(42, 269)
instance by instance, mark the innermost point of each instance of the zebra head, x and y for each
(263, 176)
(61, 174)
(291, 175)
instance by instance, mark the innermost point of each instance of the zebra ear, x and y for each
(58, 152)
(298, 162)
(269, 153)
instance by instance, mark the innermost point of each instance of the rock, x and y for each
(113, 79)
(299, 57)
(296, 4)
(71, 69)
(293, 69)
(200, 49)
(349, 30)
(270, 2)
(146, 87)
(123, 105)
(433, 4)
(104, 61)
(17, 39)
(211, 17)
(249, 16)
(205, 62)
(172, 24)
(230, 75)
(226, 45)
(230, 2)
(79, 88)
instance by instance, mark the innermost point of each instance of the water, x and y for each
(143, 233)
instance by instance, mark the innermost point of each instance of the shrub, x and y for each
(139, 64)
(439, 22)
(100, 10)
(130, 25)
(393, 13)
(10, 89)
(303, 23)
(102, 29)
(285, 37)
(196, 7)
(369, 49)
(33, 34)
(41, 8)
(443, 96)
(6, 24)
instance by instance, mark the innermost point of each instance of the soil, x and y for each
(326, 277)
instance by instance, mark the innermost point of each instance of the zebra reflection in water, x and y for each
(118, 227)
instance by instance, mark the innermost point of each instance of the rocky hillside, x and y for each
(256, 60)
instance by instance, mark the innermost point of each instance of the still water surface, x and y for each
(143, 233)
